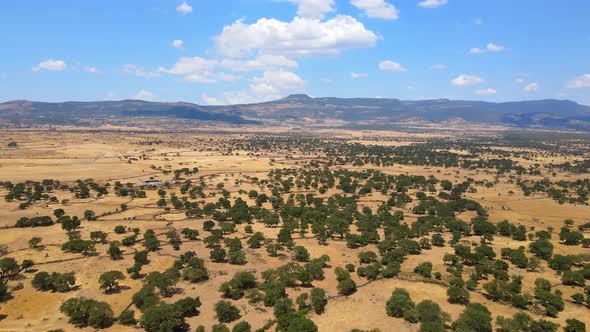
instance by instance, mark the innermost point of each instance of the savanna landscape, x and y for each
(295, 166)
(297, 230)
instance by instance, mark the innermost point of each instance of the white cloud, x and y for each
(186, 65)
(358, 75)
(326, 80)
(391, 66)
(134, 70)
(519, 80)
(411, 87)
(532, 87)
(495, 48)
(432, 3)
(210, 100)
(275, 82)
(491, 47)
(178, 43)
(313, 8)
(144, 95)
(476, 50)
(53, 65)
(261, 62)
(377, 9)
(300, 37)
(439, 66)
(199, 70)
(580, 82)
(464, 80)
(184, 8)
(92, 70)
(486, 92)
(271, 85)
(478, 21)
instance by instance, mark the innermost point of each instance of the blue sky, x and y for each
(218, 52)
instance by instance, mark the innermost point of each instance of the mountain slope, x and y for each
(300, 109)
(28, 112)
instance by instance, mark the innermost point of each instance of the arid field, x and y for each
(345, 216)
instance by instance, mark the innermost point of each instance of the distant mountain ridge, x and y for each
(303, 109)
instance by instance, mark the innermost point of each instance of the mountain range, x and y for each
(302, 109)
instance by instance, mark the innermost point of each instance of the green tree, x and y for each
(226, 312)
(84, 312)
(34, 242)
(399, 303)
(475, 317)
(318, 300)
(109, 281)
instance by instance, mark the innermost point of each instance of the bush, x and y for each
(242, 327)
(163, 315)
(429, 311)
(218, 255)
(318, 300)
(226, 312)
(301, 254)
(458, 295)
(346, 287)
(475, 317)
(424, 269)
(84, 312)
(574, 325)
(399, 303)
(542, 249)
(127, 317)
(109, 280)
(235, 288)
(57, 282)
(237, 257)
(367, 257)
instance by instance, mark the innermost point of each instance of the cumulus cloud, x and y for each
(144, 95)
(198, 70)
(184, 8)
(313, 8)
(300, 37)
(178, 43)
(491, 47)
(131, 69)
(261, 62)
(532, 87)
(432, 3)
(358, 75)
(580, 82)
(519, 80)
(391, 66)
(464, 80)
(52, 65)
(486, 92)
(377, 9)
(271, 85)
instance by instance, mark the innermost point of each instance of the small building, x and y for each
(155, 182)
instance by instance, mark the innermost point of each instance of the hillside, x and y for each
(300, 109)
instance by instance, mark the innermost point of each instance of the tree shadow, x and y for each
(117, 290)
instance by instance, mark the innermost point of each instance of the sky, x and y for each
(244, 51)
